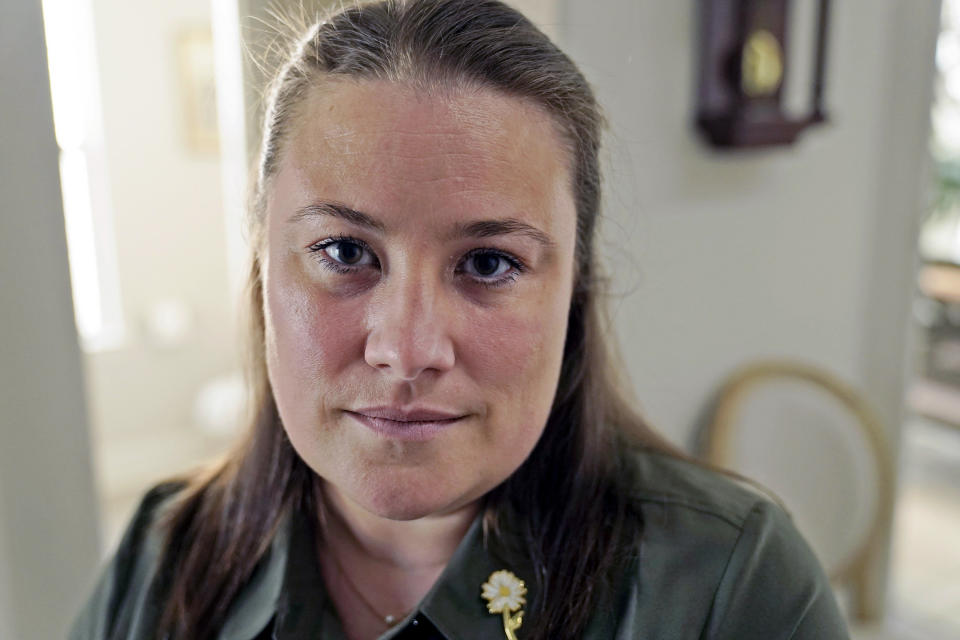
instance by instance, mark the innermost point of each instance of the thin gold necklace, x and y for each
(389, 619)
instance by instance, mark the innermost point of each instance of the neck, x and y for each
(377, 569)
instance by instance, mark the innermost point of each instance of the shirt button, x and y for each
(416, 622)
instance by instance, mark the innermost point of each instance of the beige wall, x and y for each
(787, 252)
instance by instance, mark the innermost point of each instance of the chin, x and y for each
(404, 513)
(406, 507)
(396, 499)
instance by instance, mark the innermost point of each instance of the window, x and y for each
(75, 91)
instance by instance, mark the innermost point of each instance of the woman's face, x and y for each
(417, 273)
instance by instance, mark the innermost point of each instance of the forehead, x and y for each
(389, 148)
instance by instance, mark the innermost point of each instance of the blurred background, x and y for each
(790, 310)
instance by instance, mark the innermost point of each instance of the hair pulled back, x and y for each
(570, 501)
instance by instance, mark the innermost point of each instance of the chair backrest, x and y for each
(812, 440)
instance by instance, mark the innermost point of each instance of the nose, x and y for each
(409, 330)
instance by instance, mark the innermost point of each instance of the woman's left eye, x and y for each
(491, 267)
(344, 254)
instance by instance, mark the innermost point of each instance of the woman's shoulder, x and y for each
(686, 484)
(121, 603)
(735, 564)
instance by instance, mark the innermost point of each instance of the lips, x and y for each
(415, 423)
(413, 414)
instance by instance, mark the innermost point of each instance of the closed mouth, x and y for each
(411, 414)
(407, 427)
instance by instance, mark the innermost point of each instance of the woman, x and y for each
(439, 449)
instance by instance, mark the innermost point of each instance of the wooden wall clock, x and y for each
(742, 70)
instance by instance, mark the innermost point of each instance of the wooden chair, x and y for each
(814, 441)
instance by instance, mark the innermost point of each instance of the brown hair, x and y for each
(572, 496)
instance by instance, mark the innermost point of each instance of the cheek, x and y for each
(309, 340)
(517, 357)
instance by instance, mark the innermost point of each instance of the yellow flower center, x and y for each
(504, 591)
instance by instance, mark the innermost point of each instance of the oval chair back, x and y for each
(813, 440)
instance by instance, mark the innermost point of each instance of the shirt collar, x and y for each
(256, 604)
(454, 604)
(287, 587)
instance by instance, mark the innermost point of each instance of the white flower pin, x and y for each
(504, 593)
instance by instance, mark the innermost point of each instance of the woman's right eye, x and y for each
(343, 254)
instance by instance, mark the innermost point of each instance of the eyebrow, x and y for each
(336, 210)
(475, 229)
(491, 228)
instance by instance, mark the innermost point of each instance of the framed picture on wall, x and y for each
(198, 89)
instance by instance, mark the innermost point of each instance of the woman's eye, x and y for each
(491, 266)
(348, 253)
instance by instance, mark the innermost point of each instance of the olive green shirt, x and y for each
(715, 561)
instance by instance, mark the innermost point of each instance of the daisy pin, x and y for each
(504, 593)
